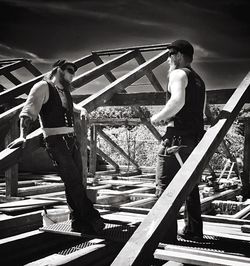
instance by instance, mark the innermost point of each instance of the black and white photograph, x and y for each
(124, 132)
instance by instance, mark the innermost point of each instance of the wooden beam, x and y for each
(12, 78)
(116, 121)
(157, 98)
(101, 97)
(150, 75)
(106, 158)
(9, 114)
(81, 128)
(9, 157)
(192, 256)
(151, 47)
(102, 69)
(92, 155)
(11, 175)
(119, 149)
(25, 87)
(137, 108)
(144, 241)
(12, 66)
(32, 69)
(120, 84)
(246, 167)
(130, 99)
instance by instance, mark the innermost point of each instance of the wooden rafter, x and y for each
(101, 97)
(109, 75)
(106, 158)
(118, 148)
(25, 87)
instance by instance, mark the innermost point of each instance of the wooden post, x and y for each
(81, 128)
(11, 174)
(92, 156)
(246, 166)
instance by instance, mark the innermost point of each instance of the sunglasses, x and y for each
(172, 53)
(70, 70)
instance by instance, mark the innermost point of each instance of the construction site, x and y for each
(34, 217)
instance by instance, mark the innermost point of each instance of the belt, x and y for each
(69, 135)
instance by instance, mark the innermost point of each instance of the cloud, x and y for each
(7, 52)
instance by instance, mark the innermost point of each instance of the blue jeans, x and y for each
(65, 153)
(167, 167)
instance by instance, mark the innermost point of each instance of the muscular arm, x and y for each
(177, 84)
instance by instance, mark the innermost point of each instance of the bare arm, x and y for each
(177, 84)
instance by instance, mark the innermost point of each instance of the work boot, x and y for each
(98, 225)
(81, 227)
(190, 235)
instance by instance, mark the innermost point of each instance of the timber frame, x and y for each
(145, 239)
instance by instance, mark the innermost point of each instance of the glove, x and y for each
(20, 142)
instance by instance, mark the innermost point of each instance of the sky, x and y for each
(45, 30)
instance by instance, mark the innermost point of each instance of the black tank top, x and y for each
(189, 120)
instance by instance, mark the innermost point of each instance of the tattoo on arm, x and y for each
(25, 122)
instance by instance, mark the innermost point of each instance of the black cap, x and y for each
(62, 63)
(183, 46)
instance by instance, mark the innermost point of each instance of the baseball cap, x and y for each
(62, 63)
(182, 46)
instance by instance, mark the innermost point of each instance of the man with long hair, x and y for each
(50, 99)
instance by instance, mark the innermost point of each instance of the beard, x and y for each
(173, 65)
(65, 83)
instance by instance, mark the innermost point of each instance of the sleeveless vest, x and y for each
(53, 114)
(189, 120)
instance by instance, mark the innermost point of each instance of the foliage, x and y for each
(118, 112)
(139, 143)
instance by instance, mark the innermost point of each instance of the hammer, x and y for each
(175, 150)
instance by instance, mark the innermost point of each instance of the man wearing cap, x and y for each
(50, 99)
(183, 115)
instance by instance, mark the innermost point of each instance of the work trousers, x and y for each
(167, 167)
(65, 153)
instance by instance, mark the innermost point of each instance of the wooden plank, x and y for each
(81, 127)
(23, 192)
(199, 257)
(106, 158)
(150, 75)
(11, 175)
(157, 98)
(102, 69)
(25, 87)
(145, 239)
(32, 69)
(20, 223)
(12, 78)
(227, 220)
(26, 204)
(118, 148)
(8, 157)
(246, 167)
(12, 66)
(150, 47)
(92, 156)
(130, 99)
